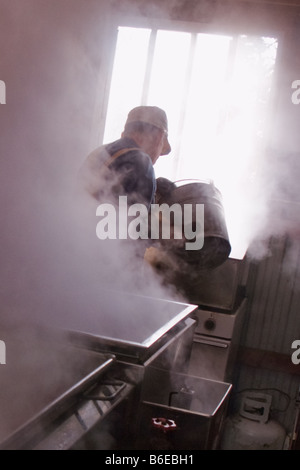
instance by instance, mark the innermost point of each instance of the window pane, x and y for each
(128, 78)
(168, 85)
(203, 107)
(239, 145)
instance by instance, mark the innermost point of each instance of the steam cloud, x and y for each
(49, 251)
(49, 246)
(53, 267)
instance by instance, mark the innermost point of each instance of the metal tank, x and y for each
(252, 428)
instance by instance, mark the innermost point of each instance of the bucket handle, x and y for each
(256, 407)
(208, 181)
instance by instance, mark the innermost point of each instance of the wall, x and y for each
(271, 326)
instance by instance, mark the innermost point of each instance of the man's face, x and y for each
(158, 146)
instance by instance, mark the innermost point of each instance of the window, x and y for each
(216, 91)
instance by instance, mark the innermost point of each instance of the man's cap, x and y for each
(154, 116)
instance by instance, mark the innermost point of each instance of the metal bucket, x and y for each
(195, 422)
(216, 248)
(177, 265)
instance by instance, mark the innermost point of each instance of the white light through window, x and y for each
(215, 90)
(127, 79)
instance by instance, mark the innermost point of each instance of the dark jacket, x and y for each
(120, 168)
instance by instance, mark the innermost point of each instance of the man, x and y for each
(125, 167)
